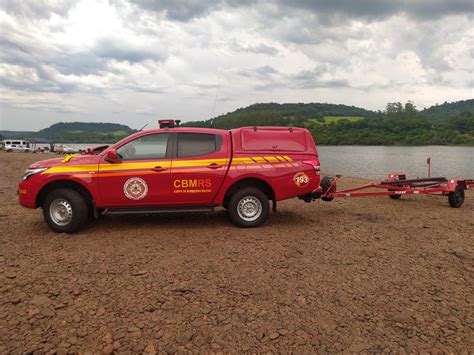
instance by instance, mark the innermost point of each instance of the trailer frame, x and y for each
(397, 185)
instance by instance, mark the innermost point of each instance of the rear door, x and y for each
(198, 167)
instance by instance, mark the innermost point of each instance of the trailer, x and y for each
(397, 185)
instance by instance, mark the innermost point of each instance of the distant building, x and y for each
(42, 144)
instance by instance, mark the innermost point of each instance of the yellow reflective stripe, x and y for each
(243, 160)
(259, 159)
(186, 163)
(70, 169)
(165, 164)
(272, 159)
(135, 166)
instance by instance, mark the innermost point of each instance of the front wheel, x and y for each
(456, 198)
(65, 211)
(248, 208)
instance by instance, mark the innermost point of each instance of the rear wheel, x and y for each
(248, 207)
(65, 211)
(456, 198)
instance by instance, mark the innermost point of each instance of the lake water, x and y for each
(377, 161)
(78, 146)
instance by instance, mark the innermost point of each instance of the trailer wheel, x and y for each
(65, 210)
(248, 207)
(396, 197)
(456, 198)
(326, 183)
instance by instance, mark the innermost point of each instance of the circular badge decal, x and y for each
(301, 179)
(135, 188)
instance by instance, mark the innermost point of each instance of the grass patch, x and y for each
(120, 133)
(334, 119)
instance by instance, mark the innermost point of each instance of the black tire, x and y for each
(396, 197)
(71, 204)
(255, 198)
(325, 184)
(456, 198)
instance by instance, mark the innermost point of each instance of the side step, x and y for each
(150, 210)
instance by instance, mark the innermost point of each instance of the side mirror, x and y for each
(111, 156)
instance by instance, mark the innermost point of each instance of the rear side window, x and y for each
(195, 144)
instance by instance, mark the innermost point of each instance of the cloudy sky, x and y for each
(134, 61)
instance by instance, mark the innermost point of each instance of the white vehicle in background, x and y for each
(13, 145)
(64, 149)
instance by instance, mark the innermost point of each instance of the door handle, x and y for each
(159, 169)
(214, 166)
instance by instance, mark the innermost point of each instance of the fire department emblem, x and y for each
(135, 188)
(301, 179)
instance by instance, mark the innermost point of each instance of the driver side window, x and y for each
(152, 146)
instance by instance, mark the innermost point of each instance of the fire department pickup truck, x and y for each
(177, 169)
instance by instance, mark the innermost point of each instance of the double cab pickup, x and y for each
(177, 169)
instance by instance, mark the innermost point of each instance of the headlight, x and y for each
(31, 172)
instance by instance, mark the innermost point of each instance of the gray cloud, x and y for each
(269, 79)
(266, 70)
(257, 49)
(379, 9)
(114, 49)
(159, 54)
(179, 10)
(185, 10)
(36, 9)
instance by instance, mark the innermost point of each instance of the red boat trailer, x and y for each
(397, 185)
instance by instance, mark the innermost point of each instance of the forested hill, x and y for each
(440, 112)
(398, 124)
(264, 114)
(77, 132)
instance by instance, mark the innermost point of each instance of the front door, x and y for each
(142, 174)
(198, 168)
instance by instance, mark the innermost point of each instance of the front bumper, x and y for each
(26, 194)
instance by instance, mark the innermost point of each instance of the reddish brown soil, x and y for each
(357, 275)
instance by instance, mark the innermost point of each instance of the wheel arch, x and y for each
(261, 184)
(61, 184)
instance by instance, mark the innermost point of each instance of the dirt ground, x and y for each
(355, 275)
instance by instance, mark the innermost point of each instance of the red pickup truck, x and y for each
(177, 169)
